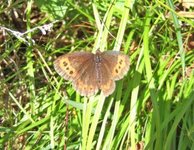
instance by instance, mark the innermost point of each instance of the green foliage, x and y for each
(151, 108)
(56, 9)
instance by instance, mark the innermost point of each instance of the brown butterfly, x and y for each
(90, 72)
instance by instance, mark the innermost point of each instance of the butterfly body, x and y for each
(90, 72)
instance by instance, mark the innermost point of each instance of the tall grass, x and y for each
(151, 107)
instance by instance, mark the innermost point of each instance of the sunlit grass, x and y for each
(151, 107)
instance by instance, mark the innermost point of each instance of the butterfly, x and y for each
(90, 72)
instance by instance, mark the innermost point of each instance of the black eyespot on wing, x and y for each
(65, 64)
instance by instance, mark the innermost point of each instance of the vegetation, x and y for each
(152, 106)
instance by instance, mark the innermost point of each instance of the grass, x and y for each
(151, 107)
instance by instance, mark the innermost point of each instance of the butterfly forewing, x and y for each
(68, 65)
(117, 62)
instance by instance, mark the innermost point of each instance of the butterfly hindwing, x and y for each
(86, 84)
(106, 84)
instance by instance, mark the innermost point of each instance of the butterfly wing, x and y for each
(117, 63)
(105, 83)
(69, 65)
(86, 84)
(114, 65)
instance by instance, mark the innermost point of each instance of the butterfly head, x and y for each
(98, 52)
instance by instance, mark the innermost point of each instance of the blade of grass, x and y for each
(150, 80)
(122, 26)
(108, 141)
(179, 36)
(134, 98)
(29, 59)
(21, 108)
(103, 27)
(87, 111)
(103, 127)
(95, 121)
